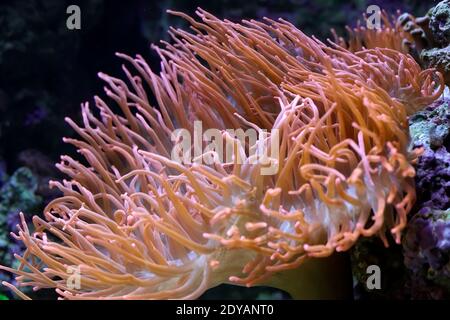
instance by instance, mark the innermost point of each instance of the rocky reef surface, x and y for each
(426, 244)
(51, 80)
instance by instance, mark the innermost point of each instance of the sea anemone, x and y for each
(135, 224)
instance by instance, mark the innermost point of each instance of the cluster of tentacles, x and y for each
(139, 225)
(401, 32)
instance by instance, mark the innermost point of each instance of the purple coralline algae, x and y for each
(427, 252)
(430, 130)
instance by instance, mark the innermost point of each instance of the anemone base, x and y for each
(319, 278)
